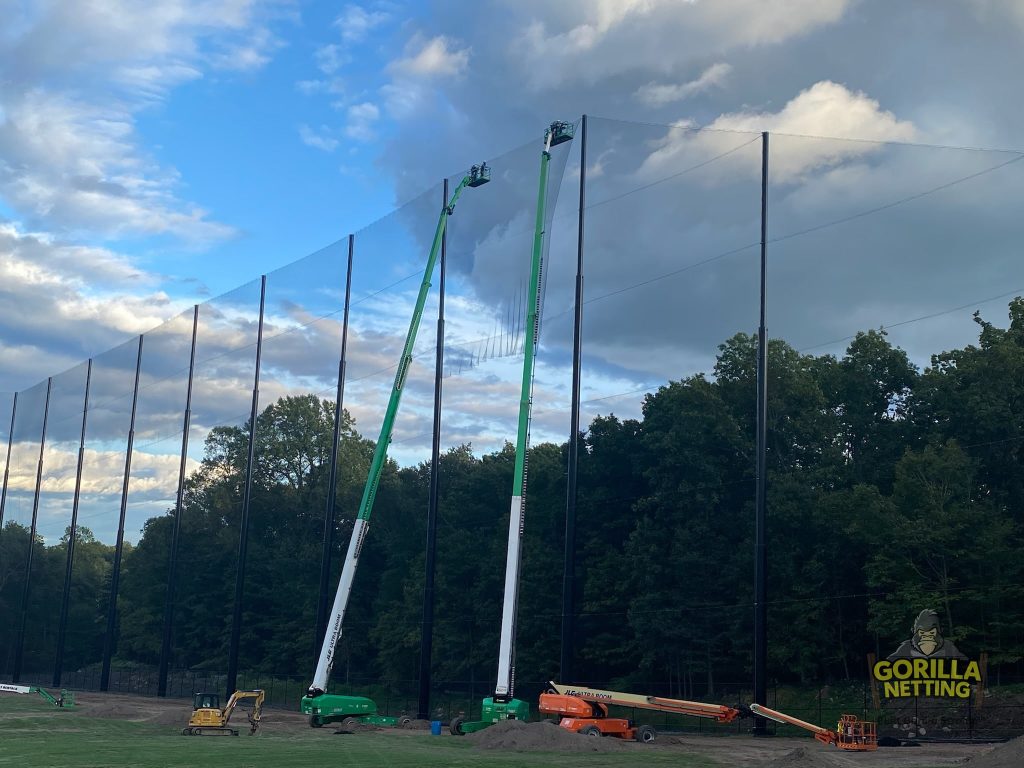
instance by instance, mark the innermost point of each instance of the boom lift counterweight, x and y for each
(321, 706)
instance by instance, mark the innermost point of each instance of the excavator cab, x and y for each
(205, 701)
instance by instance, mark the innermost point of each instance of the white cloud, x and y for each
(321, 139)
(403, 98)
(248, 55)
(355, 22)
(330, 58)
(586, 40)
(658, 95)
(825, 109)
(76, 75)
(361, 121)
(435, 57)
(55, 293)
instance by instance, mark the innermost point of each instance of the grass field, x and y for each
(33, 733)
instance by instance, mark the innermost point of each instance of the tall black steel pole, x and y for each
(58, 662)
(427, 629)
(761, 551)
(569, 572)
(332, 482)
(7, 464)
(172, 564)
(243, 533)
(115, 576)
(20, 647)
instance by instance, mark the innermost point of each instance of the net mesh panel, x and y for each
(218, 449)
(670, 319)
(298, 386)
(60, 457)
(153, 486)
(106, 442)
(879, 255)
(14, 538)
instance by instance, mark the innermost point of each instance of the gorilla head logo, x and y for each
(926, 640)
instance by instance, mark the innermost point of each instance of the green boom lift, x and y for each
(503, 705)
(323, 707)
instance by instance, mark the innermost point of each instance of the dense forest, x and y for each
(890, 489)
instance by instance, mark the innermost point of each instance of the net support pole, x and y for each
(62, 626)
(115, 575)
(172, 560)
(23, 620)
(427, 629)
(243, 533)
(332, 482)
(761, 550)
(569, 567)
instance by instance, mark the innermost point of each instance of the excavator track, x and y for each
(208, 730)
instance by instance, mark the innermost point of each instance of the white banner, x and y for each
(15, 688)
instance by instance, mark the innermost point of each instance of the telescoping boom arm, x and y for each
(851, 734)
(478, 175)
(557, 133)
(719, 712)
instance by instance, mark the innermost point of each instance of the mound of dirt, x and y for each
(1008, 755)
(810, 757)
(170, 718)
(517, 736)
(418, 725)
(355, 725)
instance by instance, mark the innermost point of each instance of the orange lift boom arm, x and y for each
(853, 734)
(718, 712)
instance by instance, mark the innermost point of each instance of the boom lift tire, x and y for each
(315, 722)
(456, 726)
(646, 734)
(589, 730)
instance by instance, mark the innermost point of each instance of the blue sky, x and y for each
(154, 154)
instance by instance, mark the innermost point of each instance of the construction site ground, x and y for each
(118, 730)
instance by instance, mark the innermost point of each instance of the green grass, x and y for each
(33, 733)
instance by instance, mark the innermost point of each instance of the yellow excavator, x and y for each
(208, 719)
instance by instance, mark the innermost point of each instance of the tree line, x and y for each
(890, 489)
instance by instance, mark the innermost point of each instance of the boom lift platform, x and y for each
(585, 711)
(852, 734)
(208, 719)
(323, 707)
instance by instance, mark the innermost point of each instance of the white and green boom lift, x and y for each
(323, 707)
(503, 705)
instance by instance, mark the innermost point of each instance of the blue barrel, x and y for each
(435, 727)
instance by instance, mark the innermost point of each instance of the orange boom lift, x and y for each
(585, 711)
(851, 734)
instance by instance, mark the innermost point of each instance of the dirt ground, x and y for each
(739, 751)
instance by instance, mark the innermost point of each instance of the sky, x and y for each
(162, 154)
